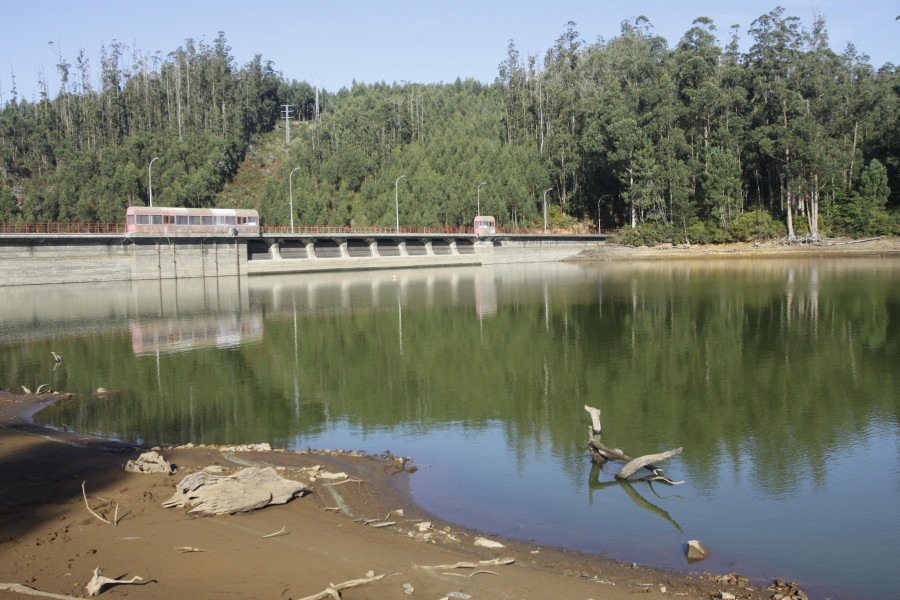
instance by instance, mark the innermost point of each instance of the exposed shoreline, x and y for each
(875, 247)
(52, 543)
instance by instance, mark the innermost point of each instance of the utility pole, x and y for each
(287, 112)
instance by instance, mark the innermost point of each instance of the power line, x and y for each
(287, 112)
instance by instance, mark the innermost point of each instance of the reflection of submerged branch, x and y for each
(600, 454)
(594, 483)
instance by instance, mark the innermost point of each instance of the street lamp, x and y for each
(291, 190)
(598, 211)
(479, 197)
(397, 202)
(150, 179)
(545, 208)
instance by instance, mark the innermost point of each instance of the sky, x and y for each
(335, 43)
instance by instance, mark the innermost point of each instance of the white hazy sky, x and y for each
(336, 42)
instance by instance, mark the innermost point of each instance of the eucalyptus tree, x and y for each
(562, 124)
(775, 103)
(629, 99)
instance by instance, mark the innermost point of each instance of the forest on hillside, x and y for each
(695, 140)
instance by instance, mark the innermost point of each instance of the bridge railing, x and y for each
(413, 229)
(379, 229)
(119, 228)
(62, 228)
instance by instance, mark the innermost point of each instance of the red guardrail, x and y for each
(119, 228)
(62, 228)
(413, 229)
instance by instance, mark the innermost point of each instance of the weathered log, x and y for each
(596, 428)
(18, 588)
(246, 490)
(608, 453)
(644, 462)
(600, 453)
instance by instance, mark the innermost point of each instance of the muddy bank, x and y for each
(50, 541)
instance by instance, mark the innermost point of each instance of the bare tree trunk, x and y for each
(849, 181)
(814, 209)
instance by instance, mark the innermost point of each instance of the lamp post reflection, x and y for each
(545, 208)
(397, 202)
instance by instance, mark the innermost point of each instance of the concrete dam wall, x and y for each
(41, 259)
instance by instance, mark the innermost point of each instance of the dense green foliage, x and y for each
(695, 142)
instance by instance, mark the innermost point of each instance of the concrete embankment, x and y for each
(40, 259)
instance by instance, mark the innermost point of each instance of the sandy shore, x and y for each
(51, 543)
(881, 246)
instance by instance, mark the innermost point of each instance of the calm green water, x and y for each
(779, 379)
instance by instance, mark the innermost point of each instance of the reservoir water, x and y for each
(780, 378)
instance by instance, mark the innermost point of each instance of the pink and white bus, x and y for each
(485, 226)
(165, 219)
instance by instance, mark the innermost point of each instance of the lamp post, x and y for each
(397, 202)
(291, 191)
(545, 208)
(598, 211)
(150, 179)
(479, 198)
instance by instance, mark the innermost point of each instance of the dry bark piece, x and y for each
(246, 490)
(149, 462)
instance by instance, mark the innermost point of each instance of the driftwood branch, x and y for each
(98, 582)
(334, 590)
(644, 462)
(115, 520)
(470, 565)
(596, 429)
(600, 454)
(282, 531)
(857, 241)
(18, 588)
